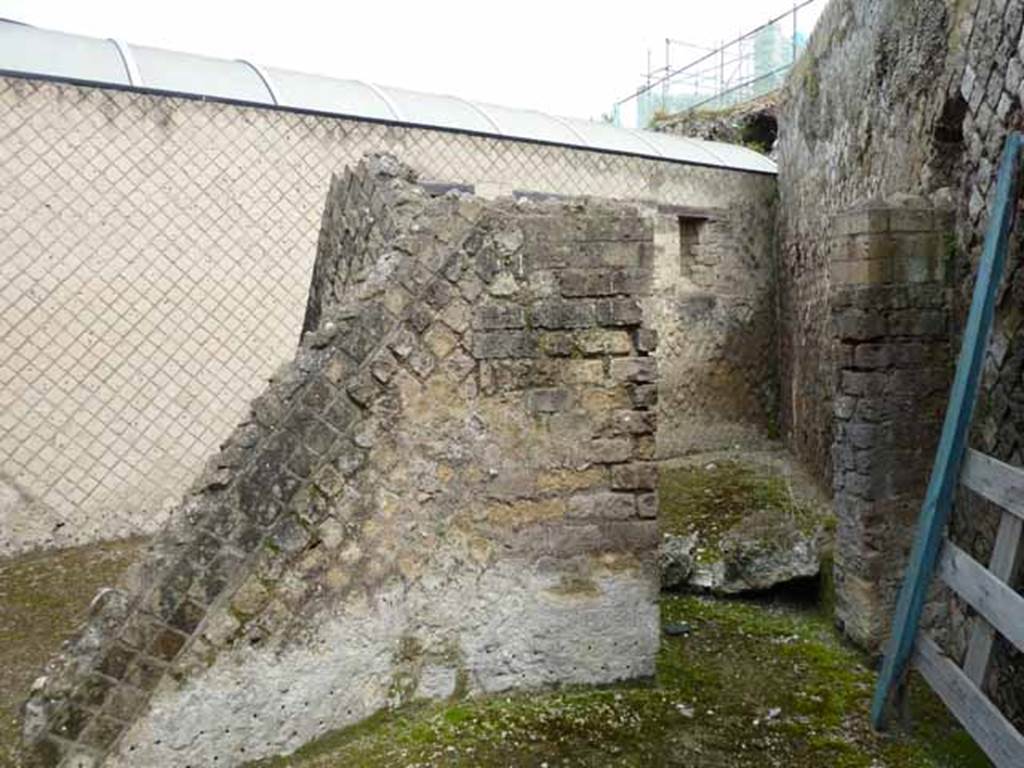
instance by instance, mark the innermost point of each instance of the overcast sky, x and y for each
(560, 56)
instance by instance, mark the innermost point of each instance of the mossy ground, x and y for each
(750, 685)
(712, 704)
(42, 598)
(712, 498)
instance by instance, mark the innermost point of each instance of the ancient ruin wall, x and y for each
(890, 343)
(860, 90)
(897, 97)
(449, 491)
(155, 254)
(713, 308)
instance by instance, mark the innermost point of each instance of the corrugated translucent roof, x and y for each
(326, 94)
(187, 73)
(26, 50)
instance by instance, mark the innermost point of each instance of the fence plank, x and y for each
(1006, 557)
(993, 599)
(994, 733)
(1000, 483)
(950, 452)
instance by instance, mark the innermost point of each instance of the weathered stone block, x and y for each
(645, 447)
(565, 480)
(548, 400)
(503, 344)
(499, 316)
(600, 342)
(562, 315)
(587, 282)
(647, 505)
(646, 340)
(861, 271)
(912, 220)
(860, 326)
(603, 282)
(616, 312)
(634, 477)
(609, 450)
(643, 396)
(440, 341)
(863, 221)
(602, 505)
(557, 343)
(636, 370)
(421, 361)
(627, 422)
(580, 372)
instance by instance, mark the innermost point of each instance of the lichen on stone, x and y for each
(742, 525)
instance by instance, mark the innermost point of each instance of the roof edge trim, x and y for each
(569, 127)
(265, 77)
(388, 102)
(648, 143)
(128, 59)
(482, 112)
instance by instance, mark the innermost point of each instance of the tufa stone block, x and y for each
(619, 312)
(503, 344)
(635, 370)
(562, 315)
(550, 400)
(604, 505)
(634, 477)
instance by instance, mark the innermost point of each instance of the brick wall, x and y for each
(714, 309)
(890, 328)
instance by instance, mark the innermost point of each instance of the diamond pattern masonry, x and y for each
(155, 255)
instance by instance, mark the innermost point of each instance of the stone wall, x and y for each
(913, 97)
(449, 491)
(155, 254)
(890, 331)
(713, 308)
(849, 110)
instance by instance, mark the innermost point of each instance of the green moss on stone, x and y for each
(713, 498)
(42, 599)
(751, 685)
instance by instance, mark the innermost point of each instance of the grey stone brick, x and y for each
(638, 477)
(643, 396)
(562, 315)
(548, 400)
(628, 422)
(647, 505)
(637, 370)
(609, 450)
(617, 312)
(499, 316)
(646, 340)
(503, 344)
(602, 505)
